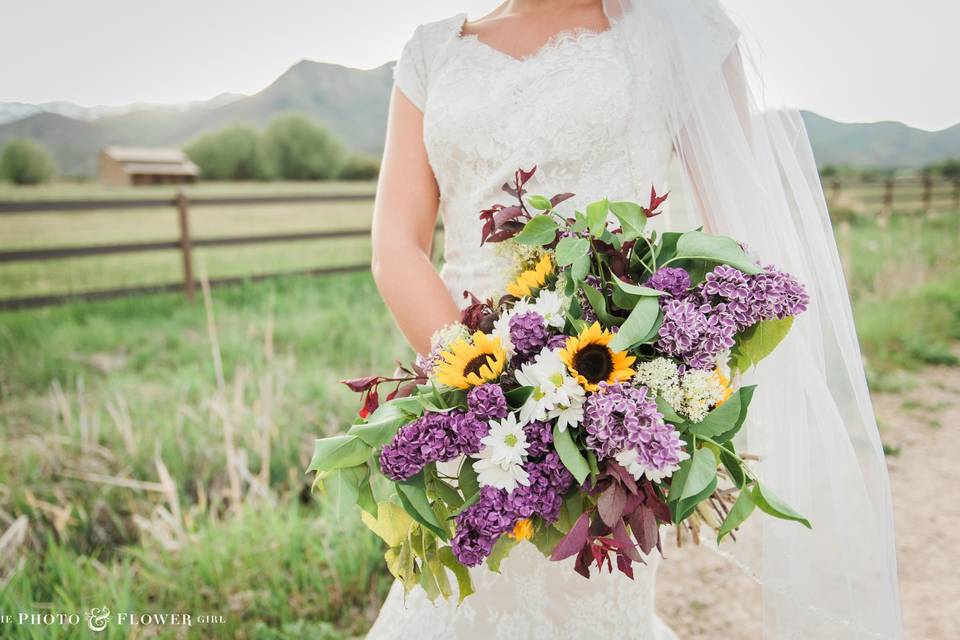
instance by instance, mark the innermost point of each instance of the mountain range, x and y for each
(353, 104)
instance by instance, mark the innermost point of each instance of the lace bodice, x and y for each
(568, 108)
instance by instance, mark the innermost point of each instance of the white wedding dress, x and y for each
(569, 109)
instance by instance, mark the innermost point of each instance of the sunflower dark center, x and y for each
(475, 365)
(594, 363)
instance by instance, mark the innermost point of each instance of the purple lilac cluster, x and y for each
(497, 511)
(700, 324)
(528, 334)
(619, 416)
(539, 438)
(433, 437)
(670, 280)
(487, 402)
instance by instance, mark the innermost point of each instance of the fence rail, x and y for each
(184, 243)
(883, 196)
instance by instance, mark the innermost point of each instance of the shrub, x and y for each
(25, 162)
(300, 149)
(360, 168)
(234, 153)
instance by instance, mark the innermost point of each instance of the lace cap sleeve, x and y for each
(410, 74)
(423, 55)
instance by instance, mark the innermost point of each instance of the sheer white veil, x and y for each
(750, 173)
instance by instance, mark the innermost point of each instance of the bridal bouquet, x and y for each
(594, 400)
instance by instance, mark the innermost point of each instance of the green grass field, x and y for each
(152, 452)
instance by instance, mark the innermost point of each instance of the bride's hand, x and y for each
(404, 217)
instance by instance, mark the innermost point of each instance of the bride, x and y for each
(601, 96)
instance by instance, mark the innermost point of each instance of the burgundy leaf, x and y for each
(582, 565)
(611, 504)
(653, 501)
(560, 197)
(625, 543)
(507, 214)
(625, 566)
(645, 530)
(655, 202)
(574, 540)
(524, 176)
(362, 384)
(370, 404)
(628, 481)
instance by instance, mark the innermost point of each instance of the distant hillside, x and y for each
(879, 144)
(350, 102)
(353, 104)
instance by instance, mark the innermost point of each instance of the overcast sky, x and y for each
(852, 60)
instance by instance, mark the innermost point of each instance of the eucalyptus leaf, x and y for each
(635, 289)
(580, 268)
(538, 231)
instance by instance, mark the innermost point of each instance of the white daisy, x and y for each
(629, 459)
(552, 307)
(555, 393)
(501, 459)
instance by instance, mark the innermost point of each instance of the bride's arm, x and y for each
(404, 216)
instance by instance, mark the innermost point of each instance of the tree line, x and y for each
(292, 147)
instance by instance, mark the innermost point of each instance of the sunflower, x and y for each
(531, 279)
(591, 361)
(468, 365)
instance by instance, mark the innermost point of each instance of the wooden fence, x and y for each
(882, 197)
(185, 243)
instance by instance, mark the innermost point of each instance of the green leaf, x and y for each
(469, 502)
(696, 245)
(546, 540)
(343, 488)
(540, 202)
(460, 572)
(598, 304)
(580, 268)
(339, 452)
(669, 414)
(447, 493)
(746, 396)
(516, 397)
(703, 469)
(769, 503)
(682, 509)
(570, 454)
(720, 420)
(637, 326)
(501, 549)
(733, 466)
(597, 217)
(467, 479)
(579, 222)
(382, 425)
(570, 249)
(391, 523)
(631, 218)
(594, 466)
(635, 289)
(759, 341)
(413, 496)
(540, 230)
(738, 514)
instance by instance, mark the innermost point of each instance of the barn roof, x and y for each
(144, 160)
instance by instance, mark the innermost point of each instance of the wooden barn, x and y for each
(122, 166)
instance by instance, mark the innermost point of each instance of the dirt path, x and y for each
(922, 427)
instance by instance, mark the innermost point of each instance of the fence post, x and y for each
(834, 191)
(888, 196)
(186, 247)
(927, 192)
